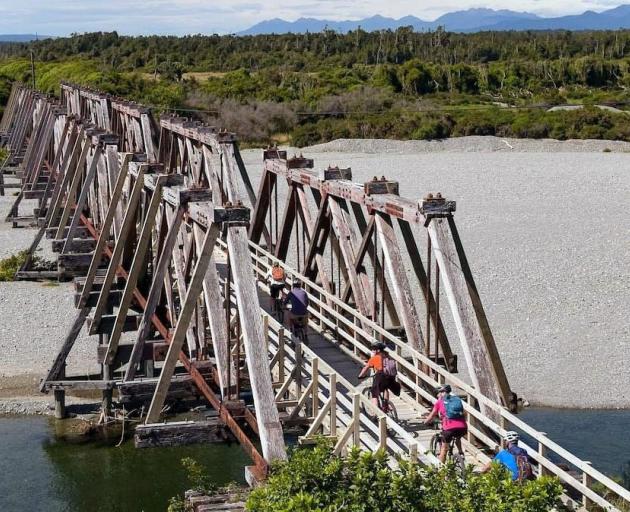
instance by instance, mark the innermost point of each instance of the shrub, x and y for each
(316, 480)
(9, 266)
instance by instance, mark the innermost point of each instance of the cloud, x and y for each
(178, 17)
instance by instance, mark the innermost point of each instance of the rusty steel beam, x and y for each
(197, 377)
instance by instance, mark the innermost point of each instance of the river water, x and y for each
(39, 471)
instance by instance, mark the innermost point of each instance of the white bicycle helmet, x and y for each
(511, 436)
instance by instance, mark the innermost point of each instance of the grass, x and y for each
(9, 266)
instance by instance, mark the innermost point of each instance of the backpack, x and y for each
(389, 367)
(454, 407)
(525, 470)
(277, 273)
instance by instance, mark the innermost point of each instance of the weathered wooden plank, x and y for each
(81, 233)
(74, 262)
(113, 301)
(402, 290)
(106, 324)
(181, 433)
(360, 287)
(421, 275)
(153, 350)
(71, 192)
(82, 385)
(128, 222)
(85, 189)
(270, 429)
(82, 245)
(483, 361)
(177, 340)
(216, 318)
(57, 369)
(157, 284)
(137, 266)
(112, 212)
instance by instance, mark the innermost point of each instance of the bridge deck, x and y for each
(329, 348)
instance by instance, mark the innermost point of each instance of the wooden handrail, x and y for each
(331, 306)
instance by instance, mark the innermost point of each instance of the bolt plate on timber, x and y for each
(381, 186)
(335, 173)
(181, 195)
(232, 215)
(299, 162)
(274, 154)
(436, 205)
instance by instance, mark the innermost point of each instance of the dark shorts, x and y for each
(453, 433)
(274, 289)
(383, 382)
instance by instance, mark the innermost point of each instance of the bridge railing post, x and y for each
(356, 419)
(587, 480)
(333, 404)
(542, 451)
(315, 387)
(413, 451)
(298, 367)
(281, 354)
(265, 319)
(382, 432)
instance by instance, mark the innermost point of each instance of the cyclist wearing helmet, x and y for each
(382, 383)
(299, 304)
(453, 423)
(512, 457)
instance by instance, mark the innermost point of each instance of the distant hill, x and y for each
(21, 38)
(471, 20)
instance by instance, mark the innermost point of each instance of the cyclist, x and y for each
(450, 410)
(385, 376)
(299, 305)
(276, 278)
(513, 457)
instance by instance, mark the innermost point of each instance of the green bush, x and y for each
(9, 266)
(316, 480)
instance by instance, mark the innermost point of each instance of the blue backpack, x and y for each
(454, 407)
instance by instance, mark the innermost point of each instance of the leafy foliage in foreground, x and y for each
(9, 266)
(314, 480)
(197, 479)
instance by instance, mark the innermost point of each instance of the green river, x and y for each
(40, 471)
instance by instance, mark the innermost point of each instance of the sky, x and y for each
(179, 17)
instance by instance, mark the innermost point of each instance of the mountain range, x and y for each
(471, 20)
(21, 38)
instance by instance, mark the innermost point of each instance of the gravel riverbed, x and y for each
(546, 227)
(35, 319)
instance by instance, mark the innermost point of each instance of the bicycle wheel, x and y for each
(436, 444)
(390, 410)
(460, 462)
(367, 393)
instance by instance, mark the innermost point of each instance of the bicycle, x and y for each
(299, 325)
(277, 308)
(436, 447)
(384, 404)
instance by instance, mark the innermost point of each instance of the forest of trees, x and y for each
(391, 84)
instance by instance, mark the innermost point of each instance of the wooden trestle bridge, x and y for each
(169, 243)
